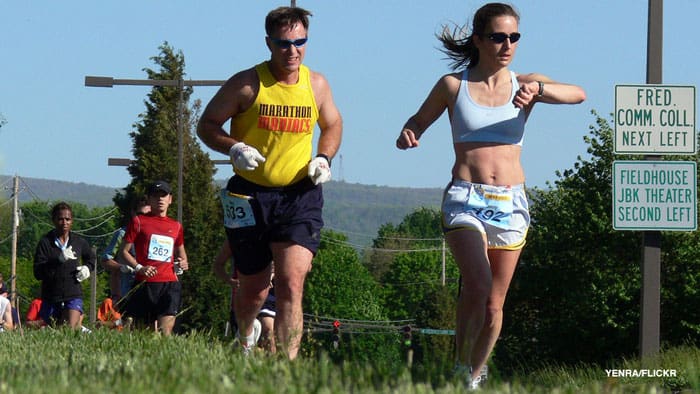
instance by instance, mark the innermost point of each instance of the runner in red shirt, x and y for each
(159, 242)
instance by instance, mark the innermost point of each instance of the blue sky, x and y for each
(380, 57)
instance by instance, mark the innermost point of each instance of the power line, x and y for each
(28, 189)
(363, 247)
(333, 319)
(8, 180)
(425, 282)
(76, 219)
(82, 231)
(322, 324)
(6, 239)
(104, 235)
(378, 237)
(38, 219)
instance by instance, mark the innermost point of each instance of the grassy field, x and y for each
(63, 361)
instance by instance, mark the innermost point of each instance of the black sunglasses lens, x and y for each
(498, 37)
(501, 37)
(286, 44)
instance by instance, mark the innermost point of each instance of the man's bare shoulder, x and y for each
(318, 81)
(242, 79)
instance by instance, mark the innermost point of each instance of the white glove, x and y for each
(83, 273)
(245, 157)
(126, 269)
(319, 170)
(67, 254)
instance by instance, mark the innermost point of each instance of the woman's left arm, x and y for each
(540, 88)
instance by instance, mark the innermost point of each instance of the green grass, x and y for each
(63, 361)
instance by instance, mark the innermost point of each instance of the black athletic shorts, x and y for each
(152, 300)
(291, 213)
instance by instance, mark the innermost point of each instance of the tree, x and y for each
(155, 157)
(340, 287)
(576, 295)
(411, 280)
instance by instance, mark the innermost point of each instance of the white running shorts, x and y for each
(499, 212)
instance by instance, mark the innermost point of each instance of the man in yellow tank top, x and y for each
(273, 203)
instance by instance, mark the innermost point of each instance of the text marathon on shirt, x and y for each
(285, 118)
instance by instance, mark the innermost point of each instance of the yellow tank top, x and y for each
(280, 125)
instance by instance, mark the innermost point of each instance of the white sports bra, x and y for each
(472, 122)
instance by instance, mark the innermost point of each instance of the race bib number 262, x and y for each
(160, 248)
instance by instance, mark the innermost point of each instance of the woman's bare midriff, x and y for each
(488, 163)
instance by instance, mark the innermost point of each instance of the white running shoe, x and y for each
(484, 373)
(248, 347)
(257, 330)
(463, 373)
(475, 383)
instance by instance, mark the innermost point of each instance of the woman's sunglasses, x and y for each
(500, 37)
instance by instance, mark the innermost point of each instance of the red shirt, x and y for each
(155, 240)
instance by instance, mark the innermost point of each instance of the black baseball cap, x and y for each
(159, 186)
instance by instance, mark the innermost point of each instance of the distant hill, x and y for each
(359, 210)
(50, 190)
(351, 208)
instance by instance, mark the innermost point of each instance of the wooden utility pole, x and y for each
(15, 228)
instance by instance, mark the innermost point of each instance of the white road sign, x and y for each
(655, 119)
(655, 195)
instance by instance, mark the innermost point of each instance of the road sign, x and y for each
(655, 195)
(655, 119)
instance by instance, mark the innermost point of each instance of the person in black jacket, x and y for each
(57, 265)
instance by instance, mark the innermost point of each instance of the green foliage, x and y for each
(680, 288)
(419, 268)
(339, 285)
(577, 277)
(580, 279)
(28, 287)
(155, 148)
(409, 258)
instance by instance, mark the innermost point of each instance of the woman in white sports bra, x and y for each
(485, 213)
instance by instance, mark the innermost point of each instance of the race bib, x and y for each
(492, 206)
(160, 248)
(237, 210)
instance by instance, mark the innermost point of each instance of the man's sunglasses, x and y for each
(286, 44)
(500, 37)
